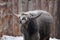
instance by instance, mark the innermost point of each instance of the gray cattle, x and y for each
(35, 25)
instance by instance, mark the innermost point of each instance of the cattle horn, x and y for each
(34, 16)
(18, 15)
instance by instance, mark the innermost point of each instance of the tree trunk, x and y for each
(57, 21)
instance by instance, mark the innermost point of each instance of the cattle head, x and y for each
(23, 19)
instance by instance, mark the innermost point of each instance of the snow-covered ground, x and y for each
(54, 39)
(6, 37)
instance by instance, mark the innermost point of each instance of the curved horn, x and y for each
(35, 15)
(17, 15)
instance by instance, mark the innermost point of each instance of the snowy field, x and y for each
(5, 37)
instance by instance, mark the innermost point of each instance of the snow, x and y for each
(6, 37)
(54, 39)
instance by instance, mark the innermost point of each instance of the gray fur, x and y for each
(39, 25)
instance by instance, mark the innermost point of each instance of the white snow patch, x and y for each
(53, 39)
(6, 37)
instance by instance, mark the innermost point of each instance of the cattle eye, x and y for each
(19, 17)
(32, 15)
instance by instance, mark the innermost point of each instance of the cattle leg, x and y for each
(35, 36)
(47, 37)
(44, 37)
(41, 35)
(26, 35)
(47, 31)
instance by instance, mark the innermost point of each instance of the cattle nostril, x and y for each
(20, 22)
